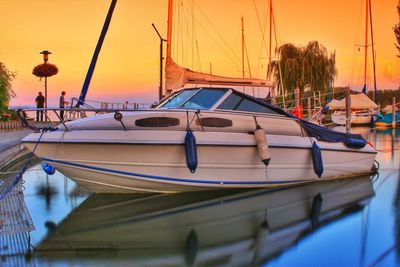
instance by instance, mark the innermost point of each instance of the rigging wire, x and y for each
(193, 31)
(263, 43)
(218, 34)
(234, 59)
(248, 66)
(279, 65)
(356, 55)
(198, 56)
(262, 29)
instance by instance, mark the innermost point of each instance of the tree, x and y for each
(290, 65)
(396, 29)
(6, 92)
(310, 67)
(320, 67)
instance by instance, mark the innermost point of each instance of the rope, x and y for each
(388, 150)
(13, 172)
(189, 122)
(23, 170)
(378, 260)
(25, 123)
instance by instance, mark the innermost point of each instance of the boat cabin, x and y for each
(219, 99)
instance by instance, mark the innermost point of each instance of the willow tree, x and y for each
(319, 67)
(396, 29)
(6, 91)
(310, 67)
(290, 65)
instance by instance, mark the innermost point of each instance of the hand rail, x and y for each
(22, 116)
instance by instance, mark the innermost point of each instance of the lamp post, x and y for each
(45, 54)
(45, 70)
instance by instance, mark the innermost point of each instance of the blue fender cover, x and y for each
(355, 143)
(317, 159)
(47, 168)
(191, 151)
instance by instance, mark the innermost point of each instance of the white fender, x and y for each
(262, 145)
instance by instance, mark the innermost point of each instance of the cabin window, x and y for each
(204, 99)
(214, 122)
(241, 103)
(248, 105)
(157, 122)
(230, 102)
(177, 100)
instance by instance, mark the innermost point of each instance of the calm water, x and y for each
(355, 222)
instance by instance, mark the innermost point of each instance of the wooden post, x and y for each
(319, 99)
(314, 100)
(394, 112)
(348, 111)
(309, 107)
(297, 98)
(45, 96)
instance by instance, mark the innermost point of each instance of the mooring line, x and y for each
(23, 170)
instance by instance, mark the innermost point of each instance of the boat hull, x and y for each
(154, 161)
(359, 118)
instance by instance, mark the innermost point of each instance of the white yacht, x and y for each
(198, 139)
(362, 109)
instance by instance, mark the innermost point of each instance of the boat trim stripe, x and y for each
(217, 145)
(174, 179)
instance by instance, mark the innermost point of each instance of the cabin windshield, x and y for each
(202, 98)
(242, 103)
(206, 98)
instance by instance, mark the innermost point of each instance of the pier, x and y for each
(15, 220)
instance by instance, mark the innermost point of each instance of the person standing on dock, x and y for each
(62, 104)
(39, 104)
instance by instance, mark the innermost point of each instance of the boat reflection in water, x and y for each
(230, 227)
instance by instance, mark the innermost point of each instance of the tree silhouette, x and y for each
(6, 91)
(309, 67)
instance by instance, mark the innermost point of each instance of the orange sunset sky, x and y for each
(127, 68)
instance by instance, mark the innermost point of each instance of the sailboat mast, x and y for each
(270, 31)
(242, 48)
(366, 46)
(375, 98)
(169, 30)
(96, 53)
(168, 62)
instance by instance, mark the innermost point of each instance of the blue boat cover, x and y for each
(328, 135)
(387, 118)
(320, 132)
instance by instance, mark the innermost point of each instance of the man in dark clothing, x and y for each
(39, 104)
(62, 104)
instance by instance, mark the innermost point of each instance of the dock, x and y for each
(15, 220)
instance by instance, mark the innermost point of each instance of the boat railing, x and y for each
(92, 104)
(72, 111)
(316, 115)
(52, 116)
